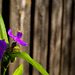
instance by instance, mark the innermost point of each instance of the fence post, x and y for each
(20, 20)
(55, 41)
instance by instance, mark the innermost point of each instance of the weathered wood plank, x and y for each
(14, 27)
(66, 37)
(0, 6)
(72, 72)
(55, 41)
(20, 20)
(25, 27)
(40, 42)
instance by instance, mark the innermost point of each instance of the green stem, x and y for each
(3, 71)
(4, 64)
(4, 68)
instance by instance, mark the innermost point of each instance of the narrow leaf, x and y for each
(3, 34)
(19, 70)
(26, 57)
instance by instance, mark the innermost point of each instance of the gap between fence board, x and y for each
(72, 70)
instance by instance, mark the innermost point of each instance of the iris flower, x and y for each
(18, 37)
(3, 47)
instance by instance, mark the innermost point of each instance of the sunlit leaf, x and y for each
(19, 70)
(26, 57)
(3, 34)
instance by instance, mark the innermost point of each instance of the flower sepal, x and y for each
(14, 49)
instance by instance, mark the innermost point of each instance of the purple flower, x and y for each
(3, 47)
(18, 37)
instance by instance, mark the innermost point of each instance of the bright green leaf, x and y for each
(26, 57)
(3, 34)
(19, 70)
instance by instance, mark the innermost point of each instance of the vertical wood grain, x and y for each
(72, 72)
(0, 6)
(67, 6)
(20, 20)
(14, 27)
(60, 41)
(25, 17)
(55, 44)
(40, 42)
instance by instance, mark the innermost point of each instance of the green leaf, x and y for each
(3, 34)
(26, 57)
(19, 70)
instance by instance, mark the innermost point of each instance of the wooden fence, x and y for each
(49, 29)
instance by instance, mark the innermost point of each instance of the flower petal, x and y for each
(20, 41)
(10, 33)
(17, 38)
(3, 47)
(19, 35)
(3, 44)
(1, 54)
